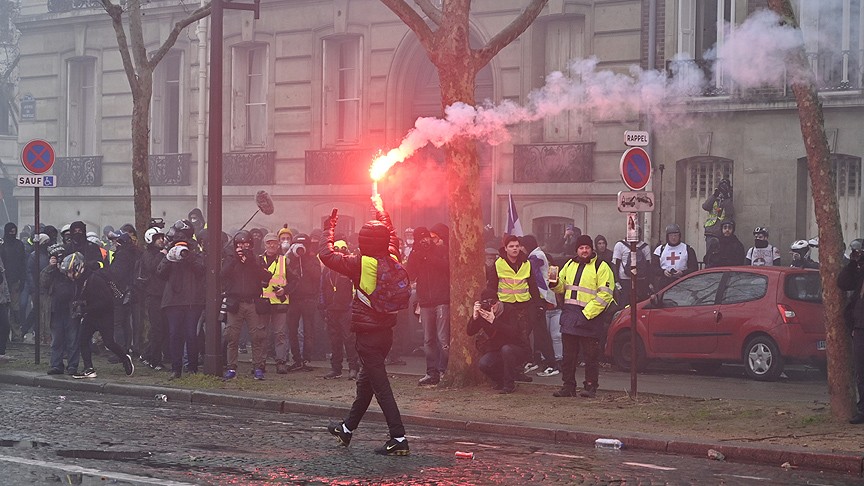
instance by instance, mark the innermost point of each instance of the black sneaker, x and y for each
(128, 365)
(338, 431)
(295, 366)
(522, 377)
(88, 373)
(507, 389)
(394, 448)
(565, 391)
(429, 380)
(333, 375)
(55, 371)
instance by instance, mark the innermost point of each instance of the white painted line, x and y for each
(488, 446)
(92, 472)
(555, 454)
(744, 477)
(650, 466)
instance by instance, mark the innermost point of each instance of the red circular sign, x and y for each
(37, 156)
(636, 168)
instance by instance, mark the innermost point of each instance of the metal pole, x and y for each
(201, 143)
(213, 262)
(36, 334)
(633, 336)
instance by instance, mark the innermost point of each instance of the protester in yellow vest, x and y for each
(587, 284)
(273, 307)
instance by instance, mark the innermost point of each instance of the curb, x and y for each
(769, 455)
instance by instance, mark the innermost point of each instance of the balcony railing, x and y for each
(553, 162)
(248, 168)
(169, 169)
(338, 166)
(60, 6)
(82, 171)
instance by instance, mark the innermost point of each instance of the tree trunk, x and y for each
(840, 379)
(141, 151)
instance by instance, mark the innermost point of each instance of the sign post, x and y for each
(636, 173)
(37, 157)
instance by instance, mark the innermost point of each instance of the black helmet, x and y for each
(73, 265)
(727, 222)
(374, 238)
(672, 228)
(180, 230)
(242, 236)
(761, 230)
(57, 250)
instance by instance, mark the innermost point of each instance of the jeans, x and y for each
(372, 349)
(500, 365)
(553, 323)
(64, 340)
(542, 340)
(257, 332)
(342, 340)
(4, 327)
(183, 334)
(590, 348)
(105, 326)
(436, 338)
(308, 310)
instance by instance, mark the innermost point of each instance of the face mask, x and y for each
(760, 243)
(285, 245)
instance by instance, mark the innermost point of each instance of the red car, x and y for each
(763, 317)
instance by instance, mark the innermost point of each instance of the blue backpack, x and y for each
(392, 287)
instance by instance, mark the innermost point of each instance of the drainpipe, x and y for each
(201, 140)
(652, 62)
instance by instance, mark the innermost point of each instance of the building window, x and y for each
(833, 40)
(702, 26)
(342, 98)
(166, 111)
(562, 42)
(249, 96)
(81, 107)
(706, 174)
(549, 231)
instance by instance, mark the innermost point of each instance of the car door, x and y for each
(743, 301)
(682, 324)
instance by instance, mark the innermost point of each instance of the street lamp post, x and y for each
(213, 262)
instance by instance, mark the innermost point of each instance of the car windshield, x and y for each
(804, 286)
(694, 291)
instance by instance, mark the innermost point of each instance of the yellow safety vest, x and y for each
(277, 269)
(368, 278)
(513, 286)
(593, 292)
(715, 215)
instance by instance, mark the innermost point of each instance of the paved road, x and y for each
(48, 436)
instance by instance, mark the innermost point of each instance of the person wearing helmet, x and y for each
(57, 291)
(673, 259)
(93, 307)
(243, 280)
(152, 287)
(181, 230)
(727, 250)
(182, 269)
(373, 329)
(762, 253)
(306, 268)
(800, 252)
(851, 280)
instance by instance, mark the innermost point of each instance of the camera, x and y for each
(486, 304)
(77, 307)
(298, 249)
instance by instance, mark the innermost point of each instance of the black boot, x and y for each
(590, 390)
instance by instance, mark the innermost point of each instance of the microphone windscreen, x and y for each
(265, 204)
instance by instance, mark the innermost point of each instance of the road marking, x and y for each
(555, 454)
(650, 466)
(744, 477)
(479, 445)
(93, 472)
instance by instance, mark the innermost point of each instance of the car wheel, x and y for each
(762, 359)
(706, 367)
(622, 352)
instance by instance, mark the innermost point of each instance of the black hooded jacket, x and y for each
(13, 254)
(429, 266)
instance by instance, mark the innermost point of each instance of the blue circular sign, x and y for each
(636, 168)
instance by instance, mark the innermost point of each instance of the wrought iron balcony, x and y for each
(248, 168)
(553, 162)
(59, 6)
(338, 166)
(169, 169)
(78, 171)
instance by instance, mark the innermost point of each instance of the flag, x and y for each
(514, 227)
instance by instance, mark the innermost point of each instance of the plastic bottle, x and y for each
(613, 444)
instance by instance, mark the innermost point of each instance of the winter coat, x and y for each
(501, 331)
(429, 266)
(13, 255)
(58, 288)
(306, 272)
(184, 284)
(337, 291)
(243, 281)
(153, 285)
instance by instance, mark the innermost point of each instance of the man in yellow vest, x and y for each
(587, 284)
(511, 279)
(273, 307)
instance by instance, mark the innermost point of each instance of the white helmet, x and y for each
(93, 238)
(814, 242)
(151, 233)
(800, 245)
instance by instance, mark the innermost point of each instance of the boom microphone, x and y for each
(265, 204)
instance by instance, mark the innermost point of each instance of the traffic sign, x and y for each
(37, 156)
(37, 181)
(635, 168)
(633, 138)
(635, 202)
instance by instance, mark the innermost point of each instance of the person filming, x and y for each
(502, 346)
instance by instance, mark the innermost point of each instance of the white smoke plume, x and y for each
(753, 55)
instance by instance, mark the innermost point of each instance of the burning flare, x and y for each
(383, 162)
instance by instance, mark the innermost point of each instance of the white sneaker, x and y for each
(29, 338)
(5, 357)
(529, 367)
(548, 372)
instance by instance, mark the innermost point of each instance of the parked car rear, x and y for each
(762, 317)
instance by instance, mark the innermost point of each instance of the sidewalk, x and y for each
(200, 390)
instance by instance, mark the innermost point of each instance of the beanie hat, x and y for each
(529, 242)
(421, 232)
(583, 240)
(374, 238)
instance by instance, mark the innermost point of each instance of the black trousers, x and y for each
(105, 326)
(858, 357)
(542, 340)
(372, 349)
(308, 310)
(590, 348)
(341, 340)
(157, 347)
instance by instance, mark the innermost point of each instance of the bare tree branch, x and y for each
(116, 14)
(8, 71)
(430, 10)
(136, 35)
(509, 34)
(195, 16)
(413, 20)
